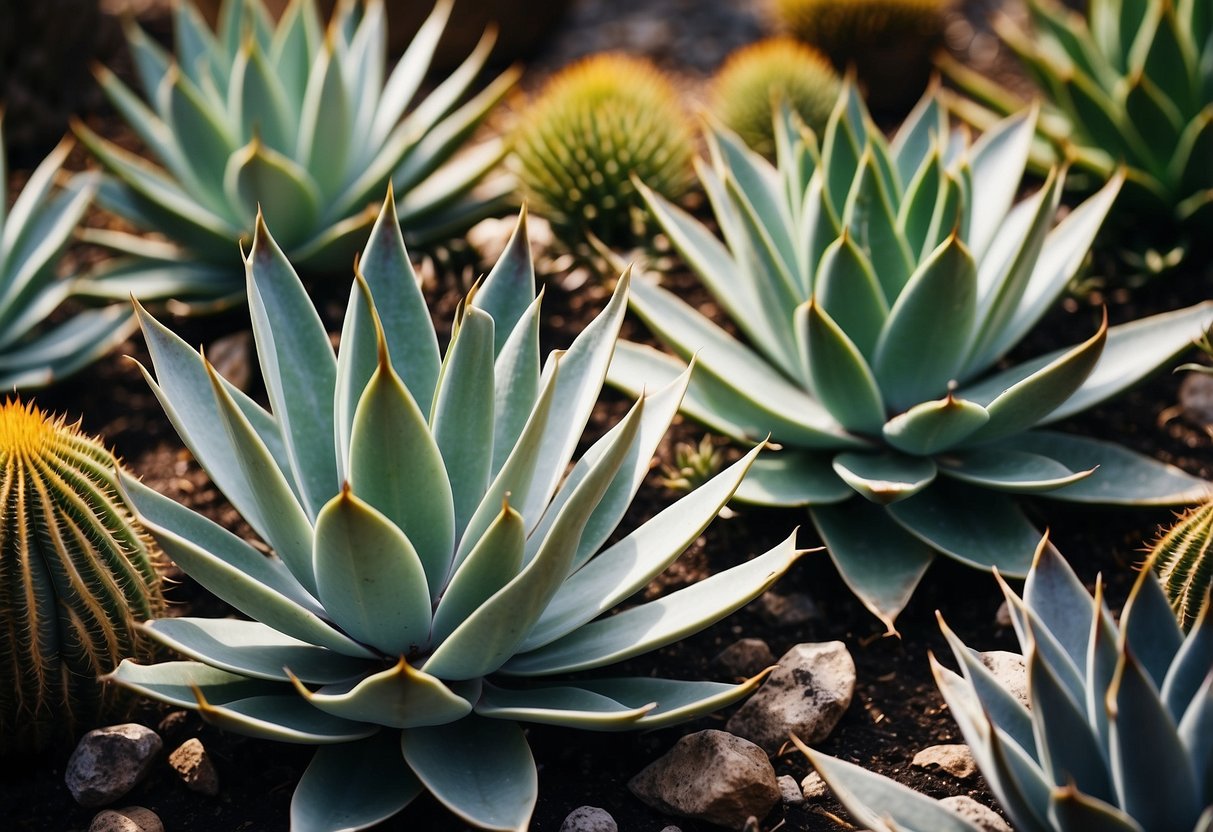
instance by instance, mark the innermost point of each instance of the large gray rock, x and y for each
(589, 819)
(130, 819)
(1011, 672)
(806, 695)
(109, 762)
(956, 759)
(711, 776)
(983, 817)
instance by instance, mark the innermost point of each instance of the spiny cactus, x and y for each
(1182, 559)
(889, 42)
(591, 128)
(75, 574)
(756, 79)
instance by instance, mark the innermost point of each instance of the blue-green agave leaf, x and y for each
(564, 705)
(1190, 666)
(258, 101)
(884, 478)
(1060, 602)
(410, 71)
(847, 290)
(516, 383)
(175, 682)
(932, 427)
(1194, 731)
(1003, 710)
(793, 478)
(509, 290)
(997, 159)
(324, 124)
(259, 177)
(354, 785)
(1102, 658)
(1148, 627)
(398, 697)
(1070, 809)
(840, 377)
(282, 718)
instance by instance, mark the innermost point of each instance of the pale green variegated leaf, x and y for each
(627, 566)
(254, 649)
(879, 561)
(354, 785)
(396, 467)
(507, 293)
(462, 418)
(869, 215)
(793, 478)
(492, 563)
(260, 587)
(481, 769)
(981, 528)
(932, 427)
(914, 218)
(488, 637)
(885, 477)
(839, 376)
(1123, 477)
(398, 697)
(370, 578)
(298, 367)
(881, 804)
(924, 127)
(757, 187)
(657, 623)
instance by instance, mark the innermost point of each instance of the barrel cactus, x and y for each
(1184, 565)
(593, 127)
(756, 79)
(76, 573)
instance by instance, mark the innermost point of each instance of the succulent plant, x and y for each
(1184, 565)
(435, 567)
(889, 42)
(75, 574)
(878, 290)
(300, 120)
(1116, 735)
(751, 84)
(1129, 84)
(592, 127)
(34, 231)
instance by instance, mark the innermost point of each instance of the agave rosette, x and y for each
(301, 120)
(878, 284)
(34, 232)
(437, 575)
(1116, 733)
(1131, 83)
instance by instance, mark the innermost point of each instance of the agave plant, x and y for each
(34, 231)
(304, 122)
(1131, 83)
(435, 567)
(76, 573)
(1181, 559)
(1116, 735)
(879, 285)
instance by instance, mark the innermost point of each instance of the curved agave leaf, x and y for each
(932, 427)
(793, 478)
(354, 785)
(885, 478)
(398, 697)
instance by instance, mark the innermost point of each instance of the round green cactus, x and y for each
(1182, 560)
(888, 42)
(760, 77)
(593, 127)
(75, 574)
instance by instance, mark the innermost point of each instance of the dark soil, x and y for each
(896, 710)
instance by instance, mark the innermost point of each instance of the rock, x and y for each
(807, 694)
(109, 762)
(711, 776)
(786, 610)
(671, 829)
(957, 760)
(1002, 617)
(813, 787)
(746, 657)
(983, 817)
(1196, 398)
(589, 819)
(130, 819)
(193, 765)
(232, 355)
(1009, 669)
(789, 791)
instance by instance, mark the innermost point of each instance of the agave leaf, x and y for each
(258, 101)
(900, 807)
(71, 346)
(1003, 710)
(917, 210)
(1171, 57)
(396, 467)
(296, 40)
(1061, 603)
(931, 427)
(847, 290)
(840, 151)
(298, 365)
(1190, 666)
(819, 227)
(411, 341)
(1071, 809)
(755, 187)
(1124, 477)
(625, 567)
(410, 71)
(147, 124)
(150, 58)
(564, 705)
(1142, 733)
(194, 42)
(253, 649)
(508, 292)
(462, 418)
(398, 697)
(882, 582)
(365, 60)
(281, 718)
(1102, 657)
(370, 578)
(884, 478)
(175, 682)
(187, 113)
(356, 363)
(353, 785)
(516, 383)
(1157, 118)
(480, 769)
(997, 159)
(324, 134)
(258, 176)
(657, 623)
(841, 379)
(793, 478)
(868, 213)
(982, 529)
(1194, 732)
(1189, 165)
(1148, 628)
(1067, 750)
(32, 199)
(916, 357)
(154, 280)
(114, 195)
(490, 565)
(29, 269)
(258, 586)
(488, 637)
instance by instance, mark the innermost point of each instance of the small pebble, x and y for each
(1002, 618)
(813, 787)
(130, 819)
(589, 819)
(109, 762)
(956, 759)
(983, 817)
(786, 610)
(193, 765)
(789, 791)
(746, 657)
